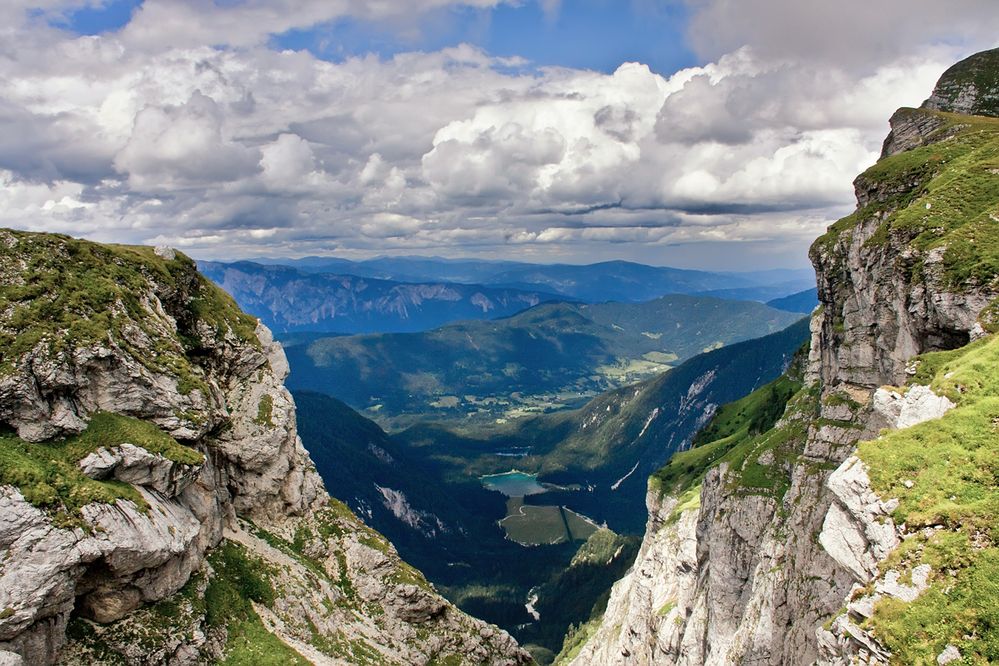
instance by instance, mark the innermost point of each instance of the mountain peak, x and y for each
(970, 87)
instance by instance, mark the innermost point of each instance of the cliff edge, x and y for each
(156, 502)
(842, 514)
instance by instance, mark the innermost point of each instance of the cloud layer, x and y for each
(196, 134)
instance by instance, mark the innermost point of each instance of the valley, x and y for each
(499, 333)
(506, 458)
(547, 358)
(493, 512)
(506, 455)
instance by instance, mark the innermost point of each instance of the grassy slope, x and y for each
(738, 434)
(952, 465)
(945, 195)
(67, 293)
(48, 476)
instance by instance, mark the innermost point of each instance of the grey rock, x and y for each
(133, 464)
(910, 128)
(857, 531)
(165, 252)
(890, 585)
(969, 87)
(949, 654)
(10, 659)
(916, 405)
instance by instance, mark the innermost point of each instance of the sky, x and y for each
(716, 134)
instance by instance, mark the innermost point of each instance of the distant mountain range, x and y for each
(289, 300)
(763, 293)
(608, 281)
(548, 357)
(803, 301)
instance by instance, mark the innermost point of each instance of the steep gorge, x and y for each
(791, 545)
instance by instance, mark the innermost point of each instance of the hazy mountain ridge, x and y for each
(288, 300)
(803, 301)
(593, 283)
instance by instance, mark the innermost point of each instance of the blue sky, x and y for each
(586, 34)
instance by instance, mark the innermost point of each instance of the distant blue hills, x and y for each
(409, 294)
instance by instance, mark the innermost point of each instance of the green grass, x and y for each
(952, 466)
(107, 430)
(48, 476)
(250, 644)
(688, 501)
(265, 411)
(739, 434)
(67, 293)
(239, 580)
(666, 608)
(989, 317)
(576, 639)
(942, 195)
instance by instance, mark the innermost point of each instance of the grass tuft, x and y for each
(945, 474)
(48, 476)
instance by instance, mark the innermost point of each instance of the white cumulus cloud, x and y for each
(186, 128)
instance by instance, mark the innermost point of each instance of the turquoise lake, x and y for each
(513, 484)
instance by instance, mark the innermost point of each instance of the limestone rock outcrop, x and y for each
(969, 87)
(127, 337)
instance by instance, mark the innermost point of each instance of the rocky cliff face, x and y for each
(156, 503)
(781, 546)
